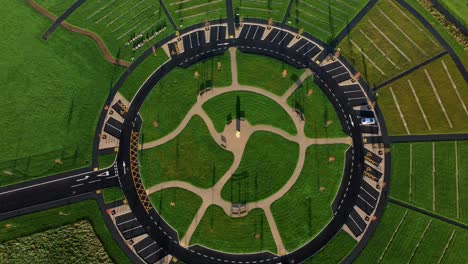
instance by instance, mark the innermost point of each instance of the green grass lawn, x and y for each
(275, 10)
(139, 75)
(177, 206)
(335, 251)
(407, 236)
(106, 160)
(75, 243)
(187, 13)
(117, 22)
(112, 194)
(421, 193)
(462, 147)
(324, 19)
(305, 210)
(177, 92)
(192, 156)
(411, 112)
(458, 8)
(265, 72)
(317, 111)
(237, 235)
(258, 110)
(38, 222)
(267, 164)
(56, 7)
(54, 91)
(388, 41)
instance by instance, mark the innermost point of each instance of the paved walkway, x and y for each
(235, 142)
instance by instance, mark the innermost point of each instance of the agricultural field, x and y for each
(388, 41)
(432, 176)
(238, 235)
(405, 235)
(21, 229)
(66, 81)
(189, 12)
(323, 19)
(310, 199)
(192, 156)
(276, 10)
(430, 100)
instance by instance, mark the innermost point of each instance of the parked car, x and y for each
(367, 121)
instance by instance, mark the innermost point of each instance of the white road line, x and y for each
(141, 250)
(438, 98)
(446, 246)
(456, 179)
(133, 219)
(402, 32)
(354, 221)
(133, 228)
(379, 49)
(365, 201)
(77, 185)
(433, 176)
(95, 181)
(367, 57)
(455, 87)
(389, 40)
(411, 173)
(393, 236)
(419, 104)
(399, 110)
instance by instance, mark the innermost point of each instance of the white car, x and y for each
(367, 121)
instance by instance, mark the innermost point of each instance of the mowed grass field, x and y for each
(112, 194)
(388, 41)
(27, 226)
(321, 120)
(275, 10)
(335, 251)
(407, 236)
(193, 156)
(53, 93)
(267, 164)
(177, 92)
(257, 109)
(76, 243)
(56, 7)
(306, 209)
(446, 190)
(177, 206)
(458, 8)
(265, 72)
(324, 19)
(189, 12)
(116, 22)
(432, 100)
(236, 235)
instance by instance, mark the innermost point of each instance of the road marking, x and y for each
(77, 185)
(399, 110)
(455, 87)
(95, 181)
(106, 173)
(438, 98)
(419, 104)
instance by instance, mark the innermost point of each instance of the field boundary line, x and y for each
(433, 176)
(411, 174)
(419, 104)
(438, 98)
(446, 246)
(389, 40)
(399, 111)
(419, 242)
(367, 57)
(378, 48)
(454, 87)
(168, 15)
(393, 236)
(457, 180)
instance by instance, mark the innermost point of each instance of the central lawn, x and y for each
(305, 210)
(235, 235)
(53, 94)
(267, 164)
(76, 243)
(335, 251)
(177, 206)
(265, 72)
(192, 156)
(318, 111)
(257, 109)
(30, 224)
(177, 92)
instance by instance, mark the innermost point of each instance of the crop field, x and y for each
(310, 199)
(430, 100)
(275, 10)
(388, 41)
(443, 190)
(407, 236)
(324, 19)
(189, 12)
